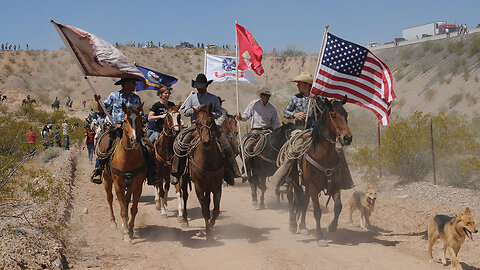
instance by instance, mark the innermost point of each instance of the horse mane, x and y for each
(319, 126)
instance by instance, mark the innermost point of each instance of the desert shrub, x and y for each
(406, 53)
(445, 80)
(476, 79)
(403, 64)
(399, 75)
(422, 67)
(454, 99)
(456, 47)
(292, 51)
(474, 47)
(368, 159)
(427, 45)
(430, 94)
(459, 171)
(458, 64)
(466, 74)
(8, 69)
(436, 47)
(43, 187)
(49, 154)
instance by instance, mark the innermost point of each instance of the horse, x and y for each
(321, 168)
(164, 155)
(206, 164)
(264, 164)
(127, 170)
(56, 105)
(26, 101)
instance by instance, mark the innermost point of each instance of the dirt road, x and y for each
(245, 238)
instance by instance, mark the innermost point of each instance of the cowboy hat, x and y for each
(304, 77)
(124, 80)
(201, 81)
(264, 91)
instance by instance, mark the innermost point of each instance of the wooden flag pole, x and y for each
(236, 92)
(319, 59)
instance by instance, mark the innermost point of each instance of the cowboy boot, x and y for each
(178, 166)
(149, 152)
(97, 172)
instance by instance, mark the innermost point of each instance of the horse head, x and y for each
(173, 121)
(230, 125)
(333, 123)
(132, 122)
(205, 123)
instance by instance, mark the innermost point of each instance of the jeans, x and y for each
(152, 135)
(67, 142)
(90, 148)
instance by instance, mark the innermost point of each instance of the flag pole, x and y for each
(69, 48)
(236, 91)
(320, 56)
(205, 62)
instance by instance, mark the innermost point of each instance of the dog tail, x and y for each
(424, 235)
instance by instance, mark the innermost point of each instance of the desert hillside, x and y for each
(434, 76)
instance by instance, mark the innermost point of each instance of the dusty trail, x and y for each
(245, 238)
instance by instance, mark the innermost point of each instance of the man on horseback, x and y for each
(297, 109)
(185, 136)
(114, 102)
(264, 118)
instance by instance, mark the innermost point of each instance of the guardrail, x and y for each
(420, 40)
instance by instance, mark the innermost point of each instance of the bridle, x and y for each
(171, 127)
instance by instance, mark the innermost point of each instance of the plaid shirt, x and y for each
(299, 103)
(114, 102)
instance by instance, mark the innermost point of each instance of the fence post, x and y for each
(433, 153)
(379, 151)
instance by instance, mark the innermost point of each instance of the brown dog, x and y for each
(452, 230)
(365, 203)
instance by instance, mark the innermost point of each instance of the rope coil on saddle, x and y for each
(293, 149)
(180, 148)
(101, 155)
(260, 145)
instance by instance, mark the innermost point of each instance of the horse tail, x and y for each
(298, 199)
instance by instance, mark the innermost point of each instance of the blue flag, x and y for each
(154, 80)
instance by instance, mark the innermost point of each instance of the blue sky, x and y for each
(273, 23)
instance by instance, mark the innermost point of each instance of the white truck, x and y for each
(422, 31)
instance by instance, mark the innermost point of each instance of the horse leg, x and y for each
(277, 195)
(178, 194)
(134, 209)
(184, 184)
(291, 209)
(217, 195)
(163, 199)
(304, 200)
(202, 199)
(262, 186)
(165, 196)
(252, 180)
(107, 184)
(120, 191)
(337, 209)
(158, 195)
(317, 213)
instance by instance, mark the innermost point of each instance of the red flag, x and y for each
(95, 56)
(352, 70)
(249, 51)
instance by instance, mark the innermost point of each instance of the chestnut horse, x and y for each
(321, 167)
(127, 170)
(164, 156)
(206, 162)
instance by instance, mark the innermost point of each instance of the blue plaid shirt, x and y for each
(299, 103)
(114, 102)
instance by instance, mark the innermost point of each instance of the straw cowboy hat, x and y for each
(264, 91)
(201, 81)
(304, 77)
(124, 80)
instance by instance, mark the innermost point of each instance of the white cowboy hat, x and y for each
(304, 77)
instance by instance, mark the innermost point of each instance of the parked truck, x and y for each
(424, 30)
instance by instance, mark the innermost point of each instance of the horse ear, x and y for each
(124, 107)
(328, 103)
(344, 99)
(210, 107)
(141, 107)
(180, 104)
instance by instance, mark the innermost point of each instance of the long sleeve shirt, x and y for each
(263, 116)
(114, 102)
(299, 103)
(198, 99)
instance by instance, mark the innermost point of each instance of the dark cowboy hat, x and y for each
(220, 99)
(124, 80)
(201, 81)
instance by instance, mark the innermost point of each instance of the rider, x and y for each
(297, 108)
(264, 118)
(114, 102)
(158, 112)
(223, 111)
(201, 98)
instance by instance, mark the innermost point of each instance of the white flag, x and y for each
(222, 68)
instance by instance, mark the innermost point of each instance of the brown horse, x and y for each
(206, 163)
(321, 166)
(163, 156)
(127, 170)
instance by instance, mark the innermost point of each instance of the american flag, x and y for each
(352, 70)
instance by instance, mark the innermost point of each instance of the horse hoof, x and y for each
(332, 228)
(127, 240)
(304, 232)
(261, 206)
(254, 203)
(185, 225)
(293, 229)
(179, 218)
(113, 225)
(158, 207)
(322, 243)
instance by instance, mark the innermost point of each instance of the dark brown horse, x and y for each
(206, 162)
(127, 170)
(164, 155)
(321, 167)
